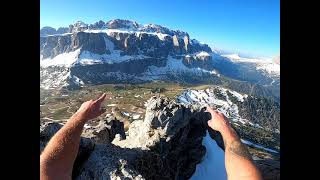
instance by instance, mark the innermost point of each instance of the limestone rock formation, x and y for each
(167, 144)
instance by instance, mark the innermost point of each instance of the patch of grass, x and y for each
(127, 97)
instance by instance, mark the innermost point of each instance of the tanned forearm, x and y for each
(56, 160)
(238, 161)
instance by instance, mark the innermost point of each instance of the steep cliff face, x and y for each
(130, 43)
(52, 46)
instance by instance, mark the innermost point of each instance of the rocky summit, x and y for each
(167, 144)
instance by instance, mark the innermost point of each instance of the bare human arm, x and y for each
(238, 161)
(57, 159)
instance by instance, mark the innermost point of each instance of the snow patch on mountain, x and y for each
(173, 66)
(201, 55)
(115, 56)
(88, 58)
(76, 80)
(64, 59)
(215, 96)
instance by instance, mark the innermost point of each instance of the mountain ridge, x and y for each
(126, 51)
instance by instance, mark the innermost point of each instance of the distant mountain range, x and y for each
(123, 51)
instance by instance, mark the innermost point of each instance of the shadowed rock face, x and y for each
(52, 46)
(167, 144)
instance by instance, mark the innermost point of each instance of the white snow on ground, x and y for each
(86, 126)
(173, 66)
(257, 146)
(210, 72)
(207, 97)
(64, 34)
(202, 53)
(77, 80)
(64, 59)
(212, 166)
(125, 113)
(87, 58)
(136, 116)
(238, 95)
(199, 55)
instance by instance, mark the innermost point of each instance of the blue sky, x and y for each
(247, 26)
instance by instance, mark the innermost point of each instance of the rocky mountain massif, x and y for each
(122, 51)
(167, 144)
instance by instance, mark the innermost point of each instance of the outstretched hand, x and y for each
(92, 108)
(218, 121)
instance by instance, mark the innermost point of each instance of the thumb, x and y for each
(211, 124)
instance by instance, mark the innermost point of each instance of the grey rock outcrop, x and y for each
(171, 135)
(167, 144)
(105, 131)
